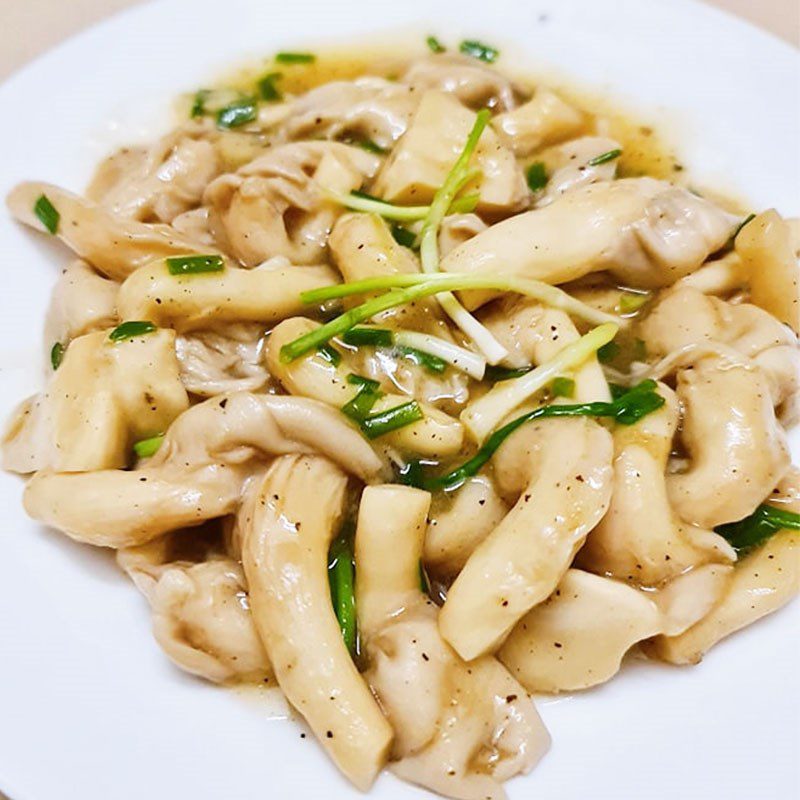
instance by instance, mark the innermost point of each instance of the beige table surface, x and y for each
(28, 27)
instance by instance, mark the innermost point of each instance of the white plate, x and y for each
(89, 707)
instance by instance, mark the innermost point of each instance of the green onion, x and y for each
(479, 50)
(361, 201)
(738, 230)
(374, 337)
(419, 286)
(295, 58)
(371, 147)
(391, 420)
(562, 387)
(434, 45)
(359, 380)
(536, 175)
(403, 236)
(467, 361)
(46, 213)
(145, 448)
(199, 103)
(330, 354)
(267, 89)
(630, 302)
(127, 330)
(341, 576)
(429, 362)
(57, 355)
(424, 583)
(368, 394)
(608, 352)
(604, 157)
(626, 409)
(193, 265)
(238, 113)
(483, 415)
(762, 524)
(495, 374)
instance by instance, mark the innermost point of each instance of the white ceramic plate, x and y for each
(89, 707)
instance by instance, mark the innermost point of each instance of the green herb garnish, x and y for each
(373, 337)
(46, 213)
(479, 50)
(130, 329)
(57, 355)
(628, 408)
(562, 387)
(434, 45)
(199, 103)
(145, 448)
(761, 525)
(403, 236)
(604, 157)
(360, 380)
(295, 58)
(330, 354)
(341, 577)
(391, 420)
(372, 147)
(608, 352)
(424, 583)
(368, 394)
(426, 360)
(238, 113)
(536, 175)
(194, 265)
(495, 373)
(267, 89)
(630, 302)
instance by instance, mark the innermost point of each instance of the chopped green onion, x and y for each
(604, 157)
(359, 380)
(295, 58)
(495, 373)
(630, 302)
(145, 448)
(562, 387)
(47, 213)
(479, 50)
(330, 354)
(434, 45)
(403, 236)
(341, 576)
(419, 286)
(238, 113)
(482, 416)
(372, 147)
(608, 352)
(130, 329)
(738, 230)
(762, 524)
(536, 175)
(199, 103)
(267, 89)
(626, 409)
(458, 177)
(424, 583)
(467, 361)
(429, 362)
(57, 355)
(361, 201)
(359, 407)
(193, 265)
(374, 337)
(391, 420)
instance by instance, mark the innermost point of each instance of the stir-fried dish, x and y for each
(418, 392)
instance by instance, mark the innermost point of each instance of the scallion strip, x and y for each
(295, 58)
(267, 88)
(536, 175)
(341, 576)
(57, 355)
(359, 407)
(479, 50)
(603, 158)
(626, 409)
(238, 113)
(434, 45)
(422, 359)
(630, 302)
(194, 265)
(47, 214)
(330, 354)
(391, 420)
(360, 380)
(750, 532)
(145, 448)
(372, 337)
(404, 236)
(360, 201)
(482, 417)
(473, 364)
(562, 387)
(495, 374)
(130, 329)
